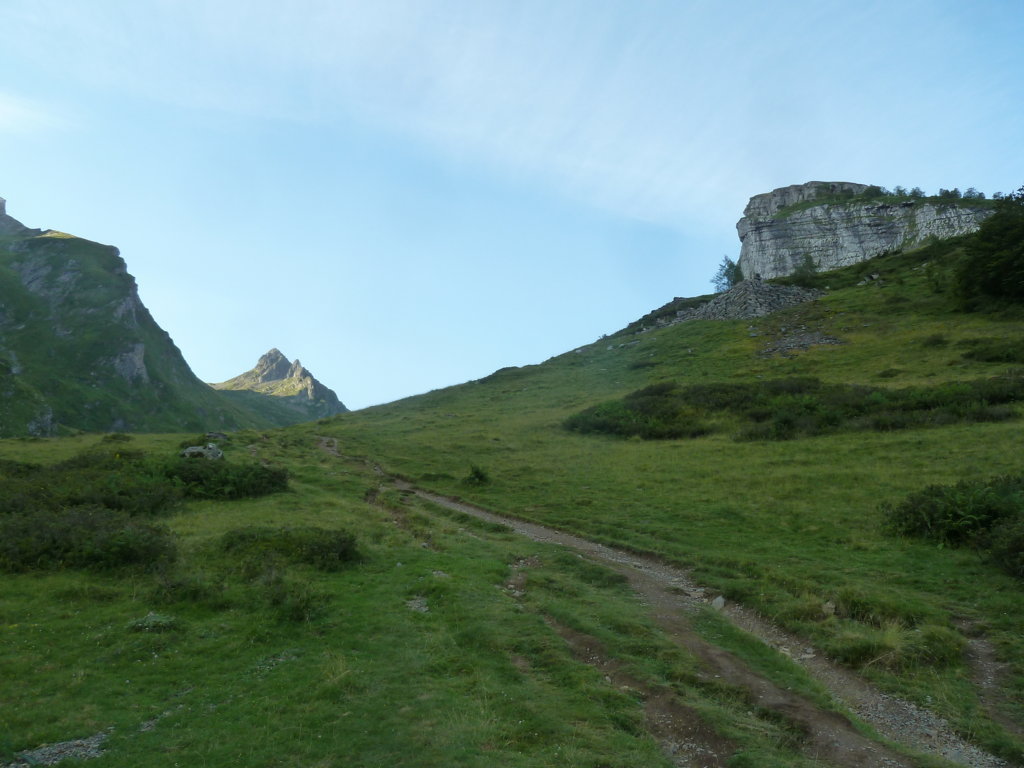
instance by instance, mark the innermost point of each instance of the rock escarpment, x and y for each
(80, 351)
(780, 229)
(276, 376)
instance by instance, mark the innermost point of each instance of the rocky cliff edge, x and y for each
(781, 228)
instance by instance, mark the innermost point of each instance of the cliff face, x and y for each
(290, 384)
(780, 228)
(79, 350)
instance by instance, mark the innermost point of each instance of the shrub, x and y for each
(954, 515)
(82, 537)
(783, 409)
(1006, 544)
(327, 550)
(221, 480)
(113, 479)
(172, 586)
(996, 351)
(986, 514)
(290, 600)
(993, 267)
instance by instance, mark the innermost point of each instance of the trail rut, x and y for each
(672, 596)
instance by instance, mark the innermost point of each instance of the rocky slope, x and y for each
(79, 351)
(294, 386)
(781, 228)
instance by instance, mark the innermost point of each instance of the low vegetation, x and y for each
(986, 515)
(89, 510)
(784, 409)
(345, 622)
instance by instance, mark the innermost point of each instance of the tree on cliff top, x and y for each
(993, 267)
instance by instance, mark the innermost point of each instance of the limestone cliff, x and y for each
(837, 224)
(276, 376)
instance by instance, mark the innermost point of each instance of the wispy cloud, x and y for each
(658, 110)
(21, 115)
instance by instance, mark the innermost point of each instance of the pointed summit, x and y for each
(273, 366)
(275, 375)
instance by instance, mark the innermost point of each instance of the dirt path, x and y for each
(829, 736)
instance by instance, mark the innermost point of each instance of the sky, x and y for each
(411, 194)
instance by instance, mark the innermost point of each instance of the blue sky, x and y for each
(411, 194)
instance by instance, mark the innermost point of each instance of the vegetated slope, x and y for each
(79, 351)
(790, 527)
(341, 623)
(284, 386)
(450, 641)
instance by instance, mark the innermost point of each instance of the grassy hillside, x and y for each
(450, 641)
(784, 526)
(79, 351)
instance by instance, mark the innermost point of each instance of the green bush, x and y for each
(956, 514)
(783, 409)
(290, 600)
(113, 479)
(477, 476)
(202, 479)
(1005, 544)
(324, 549)
(82, 537)
(996, 351)
(655, 412)
(985, 514)
(993, 266)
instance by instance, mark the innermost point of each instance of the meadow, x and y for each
(344, 622)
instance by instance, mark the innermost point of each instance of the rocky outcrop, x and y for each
(780, 229)
(275, 375)
(80, 351)
(749, 299)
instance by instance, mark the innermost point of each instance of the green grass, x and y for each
(201, 663)
(265, 657)
(784, 527)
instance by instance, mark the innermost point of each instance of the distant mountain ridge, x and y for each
(276, 376)
(80, 352)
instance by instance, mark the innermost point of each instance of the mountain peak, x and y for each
(276, 375)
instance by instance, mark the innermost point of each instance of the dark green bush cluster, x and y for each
(327, 550)
(656, 412)
(87, 537)
(783, 409)
(130, 481)
(985, 514)
(202, 479)
(993, 265)
(996, 351)
(112, 479)
(84, 512)
(477, 476)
